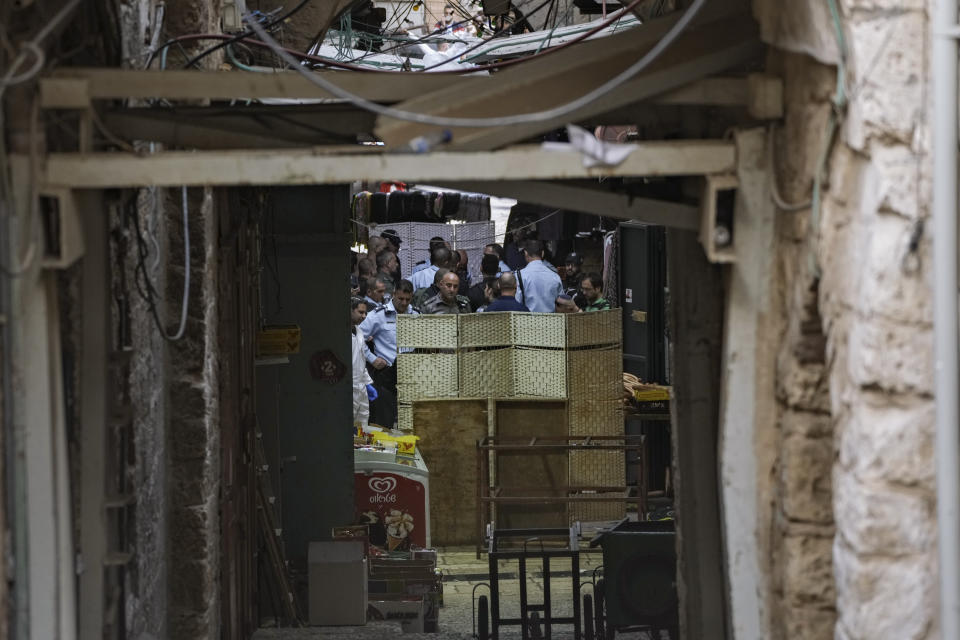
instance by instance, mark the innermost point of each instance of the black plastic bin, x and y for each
(640, 575)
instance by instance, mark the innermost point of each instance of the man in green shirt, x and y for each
(591, 286)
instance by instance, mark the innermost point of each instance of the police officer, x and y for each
(380, 327)
(539, 285)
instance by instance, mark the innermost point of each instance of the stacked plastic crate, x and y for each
(472, 237)
(415, 241)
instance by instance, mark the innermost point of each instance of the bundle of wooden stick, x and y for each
(630, 382)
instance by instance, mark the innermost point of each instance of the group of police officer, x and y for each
(437, 287)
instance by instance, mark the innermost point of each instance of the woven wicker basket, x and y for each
(405, 416)
(597, 469)
(427, 375)
(427, 332)
(545, 330)
(511, 328)
(594, 407)
(539, 373)
(485, 330)
(486, 374)
(595, 374)
(597, 328)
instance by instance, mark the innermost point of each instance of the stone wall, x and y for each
(854, 524)
(193, 473)
(174, 589)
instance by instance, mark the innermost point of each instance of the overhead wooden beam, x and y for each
(288, 167)
(718, 42)
(241, 127)
(587, 200)
(77, 88)
(74, 88)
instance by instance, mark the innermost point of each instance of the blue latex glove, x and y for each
(371, 393)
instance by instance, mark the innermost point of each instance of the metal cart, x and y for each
(523, 545)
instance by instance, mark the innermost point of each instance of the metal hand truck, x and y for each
(530, 544)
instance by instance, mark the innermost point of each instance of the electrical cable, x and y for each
(505, 63)
(778, 200)
(476, 46)
(11, 77)
(432, 35)
(146, 289)
(185, 305)
(499, 121)
(320, 60)
(157, 27)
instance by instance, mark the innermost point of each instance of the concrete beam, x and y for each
(587, 200)
(293, 167)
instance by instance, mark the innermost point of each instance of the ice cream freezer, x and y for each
(392, 496)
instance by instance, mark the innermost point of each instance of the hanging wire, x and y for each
(142, 279)
(32, 47)
(500, 121)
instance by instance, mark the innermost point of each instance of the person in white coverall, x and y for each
(361, 401)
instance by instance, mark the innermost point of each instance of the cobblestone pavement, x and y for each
(462, 572)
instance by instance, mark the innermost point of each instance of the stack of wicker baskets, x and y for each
(576, 357)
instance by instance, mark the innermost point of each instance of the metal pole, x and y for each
(945, 322)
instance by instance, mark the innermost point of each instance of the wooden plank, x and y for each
(261, 127)
(449, 431)
(718, 41)
(74, 88)
(696, 290)
(589, 200)
(313, 166)
(93, 388)
(527, 474)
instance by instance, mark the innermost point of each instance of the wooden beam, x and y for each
(588, 200)
(261, 127)
(289, 167)
(697, 322)
(74, 88)
(718, 42)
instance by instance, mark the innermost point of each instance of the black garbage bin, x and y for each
(640, 575)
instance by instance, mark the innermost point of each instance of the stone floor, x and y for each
(462, 573)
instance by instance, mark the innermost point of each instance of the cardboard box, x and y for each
(408, 611)
(337, 583)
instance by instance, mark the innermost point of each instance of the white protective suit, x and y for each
(361, 404)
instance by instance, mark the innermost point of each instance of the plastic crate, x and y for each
(474, 234)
